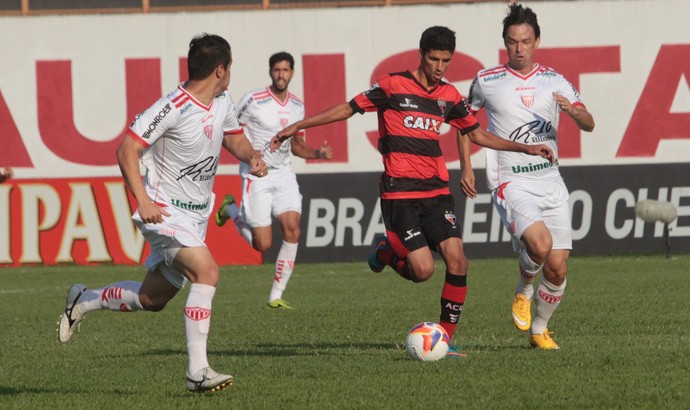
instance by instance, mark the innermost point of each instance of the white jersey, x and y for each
(183, 139)
(262, 115)
(522, 109)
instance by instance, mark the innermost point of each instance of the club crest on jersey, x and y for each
(442, 106)
(208, 131)
(284, 122)
(527, 100)
(450, 217)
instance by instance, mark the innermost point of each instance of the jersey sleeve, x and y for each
(460, 116)
(566, 89)
(375, 98)
(231, 125)
(475, 98)
(243, 109)
(151, 124)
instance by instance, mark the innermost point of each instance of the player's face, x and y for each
(521, 43)
(434, 65)
(281, 74)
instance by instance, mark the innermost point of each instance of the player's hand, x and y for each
(467, 183)
(286, 133)
(325, 151)
(6, 173)
(258, 167)
(563, 103)
(151, 213)
(540, 150)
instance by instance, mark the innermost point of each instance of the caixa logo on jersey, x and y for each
(156, 120)
(422, 123)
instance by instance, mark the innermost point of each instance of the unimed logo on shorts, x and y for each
(197, 313)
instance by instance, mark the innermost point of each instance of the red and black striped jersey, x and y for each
(410, 119)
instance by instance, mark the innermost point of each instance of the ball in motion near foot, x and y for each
(428, 342)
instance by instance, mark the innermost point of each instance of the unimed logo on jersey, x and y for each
(197, 313)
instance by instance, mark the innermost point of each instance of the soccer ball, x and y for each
(428, 342)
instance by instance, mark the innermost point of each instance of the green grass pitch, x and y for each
(623, 328)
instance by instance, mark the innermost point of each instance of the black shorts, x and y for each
(412, 224)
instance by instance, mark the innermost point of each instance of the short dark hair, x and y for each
(520, 15)
(437, 38)
(206, 53)
(281, 56)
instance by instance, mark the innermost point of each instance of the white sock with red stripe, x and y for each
(284, 266)
(197, 321)
(546, 302)
(120, 296)
(528, 272)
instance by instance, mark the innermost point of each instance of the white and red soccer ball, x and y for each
(428, 342)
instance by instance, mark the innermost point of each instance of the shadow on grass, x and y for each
(291, 349)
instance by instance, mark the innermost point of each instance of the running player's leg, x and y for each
(257, 202)
(455, 284)
(285, 263)
(199, 267)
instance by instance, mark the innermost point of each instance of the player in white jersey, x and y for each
(523, 101)
(178, 140)
(263, 112)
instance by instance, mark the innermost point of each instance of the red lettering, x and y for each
(324, 86)
(462, 68)
(652, 119)
(55, 109)
(13, 152)
(572, 62)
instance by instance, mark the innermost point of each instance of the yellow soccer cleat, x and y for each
(543, 341)
(279, 304)
(522, 315)
(222, 215)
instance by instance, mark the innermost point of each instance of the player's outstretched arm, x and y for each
(337, 112)
(467, 180)
(300, 148)
(486, 139)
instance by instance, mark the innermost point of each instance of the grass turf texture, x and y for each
(622, 327)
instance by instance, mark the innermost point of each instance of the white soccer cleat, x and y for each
(72, 316)
(208, 380)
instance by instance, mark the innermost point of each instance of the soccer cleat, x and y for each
(522, 315)
(221, 215)
(208, 380)
(380, 243)
(279, 304)
(454, 351)
(543, 340)
(72, 316)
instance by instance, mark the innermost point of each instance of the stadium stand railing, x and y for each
(47, 7)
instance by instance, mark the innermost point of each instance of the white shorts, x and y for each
(520, 204)
(269, 196)
(166, 239)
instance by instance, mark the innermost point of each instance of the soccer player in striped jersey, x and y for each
(523, 100)
(416, 203)
(178, 140)
(263, 112)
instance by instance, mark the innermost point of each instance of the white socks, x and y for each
(284, 265)
(197, 321)
(546, 302)
(528, 271)
(233, 211)
(120, 296)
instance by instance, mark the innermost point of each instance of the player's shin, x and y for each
(452, 301)
(546, 301)
(197, 320)
(285, 263)
(121, 296)
(528, 272)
